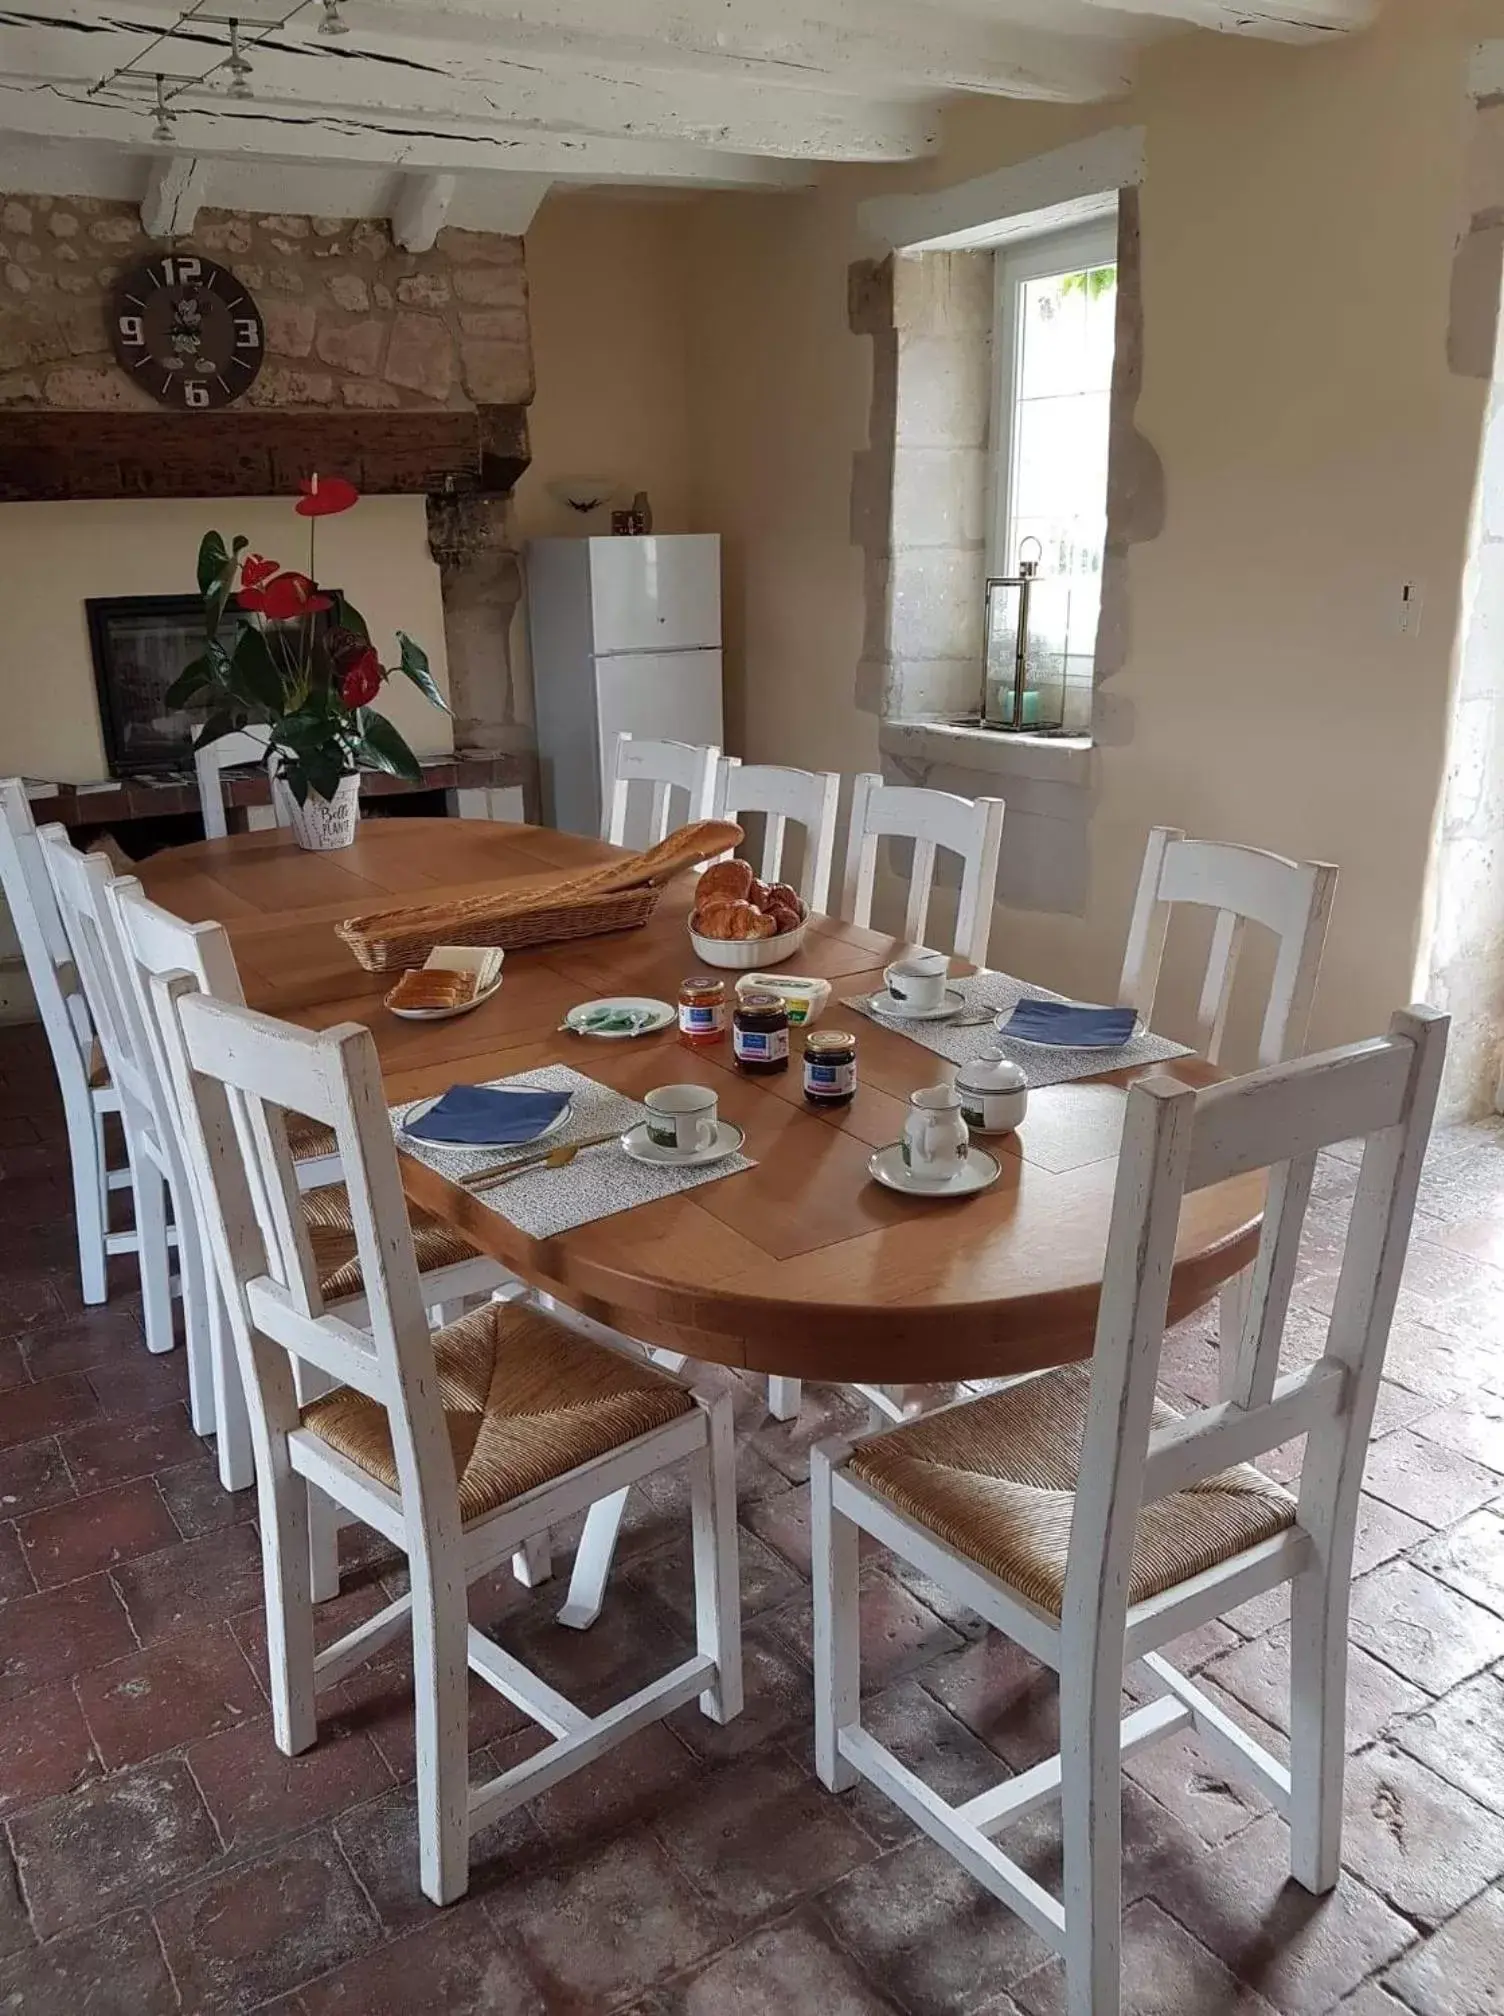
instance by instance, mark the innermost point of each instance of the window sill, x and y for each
(1051, 759)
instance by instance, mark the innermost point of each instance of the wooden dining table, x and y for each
(801, 1265)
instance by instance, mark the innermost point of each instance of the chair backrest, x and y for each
(1176, 1142)
(237, 1074)
(249, 746)
(1244, 885)
(50, 965)
(666, 767)
(808, 797)
(972, 828)
(159, 942)
(81, 884)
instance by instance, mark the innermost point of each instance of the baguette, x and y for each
(681, 851)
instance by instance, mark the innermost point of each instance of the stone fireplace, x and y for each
(410, 372)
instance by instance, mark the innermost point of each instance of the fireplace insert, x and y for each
(140, 643)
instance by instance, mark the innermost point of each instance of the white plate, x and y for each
(482, 1147)
(729, 1138)
(446, 1014)
(979, 1172)
(656, 1015)
(889, 1005)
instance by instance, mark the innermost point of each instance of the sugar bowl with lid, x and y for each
(994, 1093)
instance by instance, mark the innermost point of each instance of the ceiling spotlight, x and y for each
(162, 130)
(333, 23)
(238, 64)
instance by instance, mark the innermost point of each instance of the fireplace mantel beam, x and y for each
(49, 457)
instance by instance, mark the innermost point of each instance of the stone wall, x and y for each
(351, 320)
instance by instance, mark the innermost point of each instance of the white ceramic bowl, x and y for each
(747, 955)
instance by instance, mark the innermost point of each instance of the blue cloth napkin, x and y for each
(1069, 1025)
(486, 1116)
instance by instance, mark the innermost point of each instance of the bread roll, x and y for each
(728, 881)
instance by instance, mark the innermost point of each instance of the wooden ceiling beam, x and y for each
(1273, 20)
(228, 131)
(177, 188)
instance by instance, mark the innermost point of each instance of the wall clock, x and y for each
(187, 330)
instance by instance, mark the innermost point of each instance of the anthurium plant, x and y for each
(273, 663)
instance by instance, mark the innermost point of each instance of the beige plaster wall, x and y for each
(606, 285)
(53, 555)
(1299, 215)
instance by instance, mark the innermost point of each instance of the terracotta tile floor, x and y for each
(157, 1853)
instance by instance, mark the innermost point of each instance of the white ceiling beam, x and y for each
(1275, 20)
(244, 132)
(177, 188)
(863, 49)
(420, 209)
(372, 83)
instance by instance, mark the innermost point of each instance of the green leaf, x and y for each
(348, 617)
(190, 682)
(323, 769)
(212, 556)
(382, 746)
(254, 675)
(415, 665)
(221, 722)
(216, 586)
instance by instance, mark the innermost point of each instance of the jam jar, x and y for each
(760, 1033)
(702, 1009)
(829, 1067)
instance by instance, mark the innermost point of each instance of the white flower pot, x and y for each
(321, 823)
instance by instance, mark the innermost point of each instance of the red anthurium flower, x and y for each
(254, 570)
(360, 681)
(324, 495)
(288, 597)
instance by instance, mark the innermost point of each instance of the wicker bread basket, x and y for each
(617, 897)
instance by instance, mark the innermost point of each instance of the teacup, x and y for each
(994, 1093)
(935, 1136)
(918, 982)
(682, 1117)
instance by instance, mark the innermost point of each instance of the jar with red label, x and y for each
(702, 1010)
(760, 1033)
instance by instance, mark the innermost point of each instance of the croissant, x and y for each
(784, 896)
(744, 921)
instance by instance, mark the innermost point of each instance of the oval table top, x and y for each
(802, 1265)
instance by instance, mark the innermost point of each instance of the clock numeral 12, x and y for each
(195, 394)
(181, 272)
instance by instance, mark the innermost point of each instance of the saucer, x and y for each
(890, 1006)
(978, 1172)
(729, 1139)
(648, 1016)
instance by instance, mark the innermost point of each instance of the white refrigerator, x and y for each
(626, 637)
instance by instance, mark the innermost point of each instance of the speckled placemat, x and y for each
(1040, 1065)
(597, 1184)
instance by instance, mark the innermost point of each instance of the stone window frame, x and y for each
(1092, 180)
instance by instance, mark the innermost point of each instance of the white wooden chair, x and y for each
(972, 828)
(86, 1091)
(530, 1420)
(808, 797)
(157, 943)
(227, 753)
(1091, 1524)
(666, 767)
(160, 1191)
(1292, 899)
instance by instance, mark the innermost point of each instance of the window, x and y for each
(1053, 347)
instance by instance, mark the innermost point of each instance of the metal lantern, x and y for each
(1023, 687)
